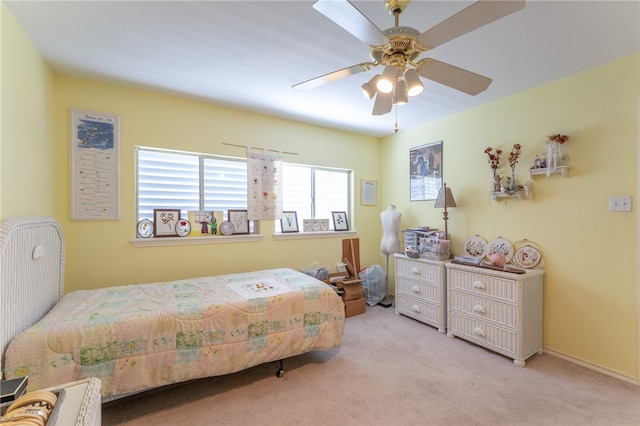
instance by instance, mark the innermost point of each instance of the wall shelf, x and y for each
(514, 194)
(563, 170)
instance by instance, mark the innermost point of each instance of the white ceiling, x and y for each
(248, 54)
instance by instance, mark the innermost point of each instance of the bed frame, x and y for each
(31, 273)
(32, 282)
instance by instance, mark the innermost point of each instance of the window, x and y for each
(191, 181)
(314, 192)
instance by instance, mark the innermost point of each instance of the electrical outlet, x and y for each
(620, 204)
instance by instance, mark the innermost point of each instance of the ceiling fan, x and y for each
(398, 49)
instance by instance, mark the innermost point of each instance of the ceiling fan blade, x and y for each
(333, 76)
(452, 76)
(475, 16)
(383, 103)
(351, 19)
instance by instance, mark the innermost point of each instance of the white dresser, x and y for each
(499, 310)
(421, 290)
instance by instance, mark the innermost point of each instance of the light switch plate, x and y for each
(620, 204)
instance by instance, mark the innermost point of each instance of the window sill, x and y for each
(309, 235)
(185, 241)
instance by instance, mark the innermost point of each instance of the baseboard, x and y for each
(607, 372)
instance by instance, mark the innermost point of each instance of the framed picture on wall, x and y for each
(425, 171)
(240, 220)
(95, 166)
(289, 222)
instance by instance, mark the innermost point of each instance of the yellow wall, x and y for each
(26, 165)
(150, 119)
(591, 279)
(590, 299)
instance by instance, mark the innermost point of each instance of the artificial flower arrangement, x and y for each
(559, 138)
(494, 162)
(555, 157)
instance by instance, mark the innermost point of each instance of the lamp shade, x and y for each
(445, 198)
(400, 97)
(414, 85)
(369, 88)
(386, 81)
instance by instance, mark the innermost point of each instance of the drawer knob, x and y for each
(416, 309)
(479, 285)
(415, 271)
(416, 289)
(479, 332)
(479, 309)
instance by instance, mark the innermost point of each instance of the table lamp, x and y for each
(444, 200)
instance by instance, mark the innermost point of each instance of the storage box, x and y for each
(352, 292)
(13, 389)
(354, 307)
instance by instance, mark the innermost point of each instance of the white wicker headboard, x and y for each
(31, 273)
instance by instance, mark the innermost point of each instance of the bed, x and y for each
(141, 336)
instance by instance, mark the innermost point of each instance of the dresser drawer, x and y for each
(495, 338)
(483, 308)
(418, 309)
(417, 289)
(419, 270)
(480, 284)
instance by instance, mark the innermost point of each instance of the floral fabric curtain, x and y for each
(264, 186)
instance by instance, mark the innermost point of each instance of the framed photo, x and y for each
(164, 222)
(95, 166)
(340, 222)
(425, 171)
(368, 192)
(240, 220)
(289, 222)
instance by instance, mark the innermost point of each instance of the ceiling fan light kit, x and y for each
(398, 49)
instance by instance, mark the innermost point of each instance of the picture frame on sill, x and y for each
(240, 221)
(95, 165)
(425, 171)
(340, 222)
(289, 221)
(164, 222)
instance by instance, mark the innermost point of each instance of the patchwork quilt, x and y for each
(142, 336)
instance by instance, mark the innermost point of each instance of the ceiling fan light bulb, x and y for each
(385, 86)
(414, 85)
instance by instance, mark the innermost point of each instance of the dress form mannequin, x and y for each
(390, 231)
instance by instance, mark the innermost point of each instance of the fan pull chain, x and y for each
(396, 128)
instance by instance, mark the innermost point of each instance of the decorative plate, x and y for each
(183, 227)
(324, 225)
(316, 226)
(145, 228)
(527, 257)
(306, 225)
(500, 245)
(227, 228)
(475, 247)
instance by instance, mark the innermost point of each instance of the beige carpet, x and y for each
(392, 370)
